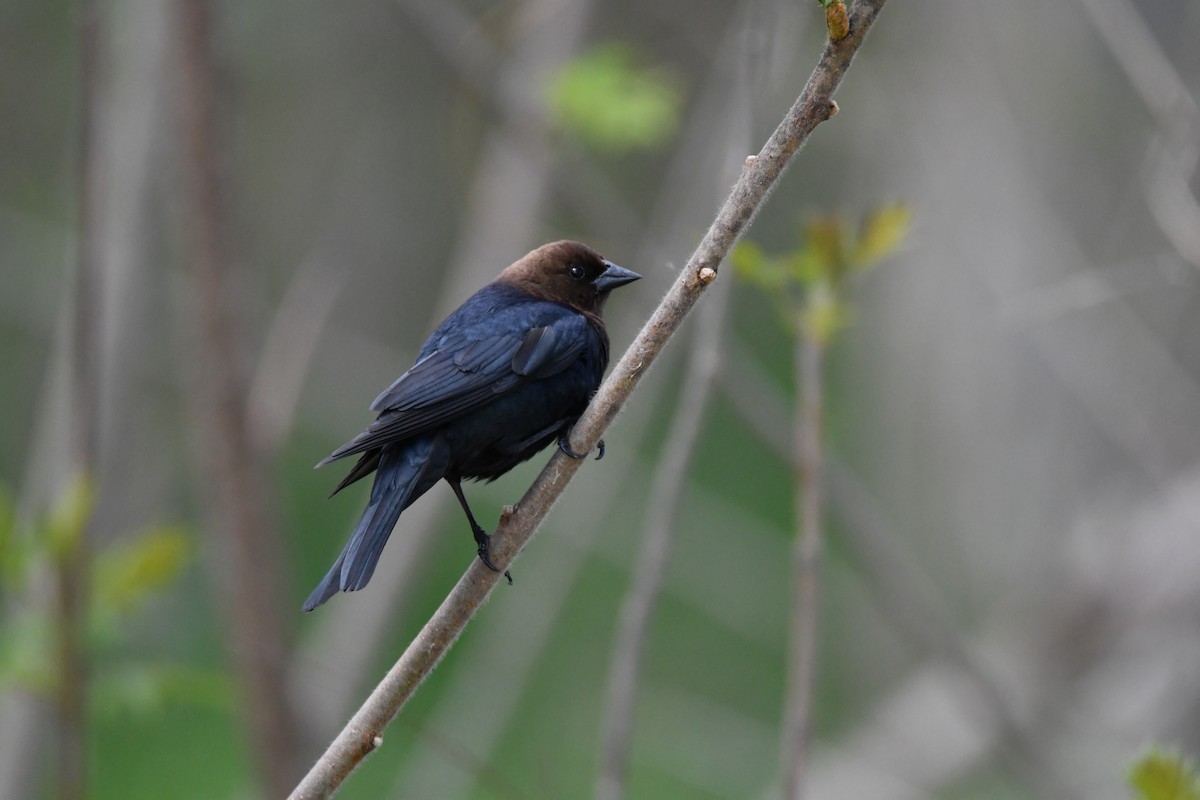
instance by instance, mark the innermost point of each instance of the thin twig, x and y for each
(651, 562)
(287, 353)
(729, 101)
(73, 565)
(1172, 156)
(364, 732)
(248, 535)
(807, 551)
(900, 588)
(895, 578)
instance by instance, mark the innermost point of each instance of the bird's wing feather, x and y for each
(544, 353)
(464, 374)
(455, 367)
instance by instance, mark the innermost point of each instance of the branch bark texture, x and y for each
(364, 732)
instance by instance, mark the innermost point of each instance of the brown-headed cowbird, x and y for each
(505, 375)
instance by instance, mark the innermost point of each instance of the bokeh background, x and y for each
(1011, 605)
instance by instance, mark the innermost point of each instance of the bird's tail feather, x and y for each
(402, 477)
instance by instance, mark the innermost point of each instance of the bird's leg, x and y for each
(565, 446)
(482, 538)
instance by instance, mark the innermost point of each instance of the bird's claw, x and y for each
(485, 556)
(565, 446)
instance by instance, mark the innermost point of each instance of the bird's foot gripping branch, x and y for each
(564, 444)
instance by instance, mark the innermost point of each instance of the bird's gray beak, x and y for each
(614, 276)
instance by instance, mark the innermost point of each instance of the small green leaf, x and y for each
(882, 234)
(747, 258)
(825, 242)
(752, 264)
(807, 266)
(1165, 776)
(126, 574)
(69, 517)
(612, 104)
(808, 284)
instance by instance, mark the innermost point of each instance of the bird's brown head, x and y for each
(569, 273)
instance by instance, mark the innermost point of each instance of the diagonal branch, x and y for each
(364, 732)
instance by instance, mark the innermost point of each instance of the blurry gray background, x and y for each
(1012, 602)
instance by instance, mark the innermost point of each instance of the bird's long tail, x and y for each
(403, 476)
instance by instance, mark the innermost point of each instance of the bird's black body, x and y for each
(501, 378)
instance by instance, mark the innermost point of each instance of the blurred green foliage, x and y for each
(143, 688)
(125, 577)
(129, 573)
(1161, 775)
(611, 103)
(64, 526)
(10, 558)
(807, 283)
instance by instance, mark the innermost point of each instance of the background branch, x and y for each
(670, 482)
(806, 562)
(902, 590)
(1174, 153)
(73, 562)
(651, 562)
(243, 522)
(364, 731)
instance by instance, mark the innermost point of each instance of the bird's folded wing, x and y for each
(464, 374)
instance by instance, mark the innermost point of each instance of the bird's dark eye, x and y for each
(578, 273)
